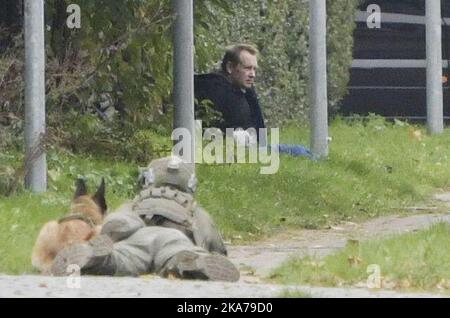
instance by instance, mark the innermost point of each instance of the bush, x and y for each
(11, 132)
(91, 135)
(8, 180)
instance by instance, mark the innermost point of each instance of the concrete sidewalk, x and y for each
(155, 287)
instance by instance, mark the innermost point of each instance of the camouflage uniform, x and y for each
(161, 231)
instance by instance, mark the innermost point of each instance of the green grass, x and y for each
(294, 294)
(374, 168)
(22, 215)
(411, 261)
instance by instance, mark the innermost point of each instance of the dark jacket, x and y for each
(238, 108)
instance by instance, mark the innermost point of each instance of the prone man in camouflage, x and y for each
(161, 231)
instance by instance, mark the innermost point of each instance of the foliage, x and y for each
(124, 50)
(8, 181)
(11, 74)
(209, 115)
(89, 134)
(11, 131)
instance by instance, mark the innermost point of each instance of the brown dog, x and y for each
(81, 223)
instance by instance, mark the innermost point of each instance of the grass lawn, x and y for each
(411, 261)
(374, 168)
(22, 215)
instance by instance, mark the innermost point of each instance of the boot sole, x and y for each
(71, 259)
(80, 256)
(212, 267)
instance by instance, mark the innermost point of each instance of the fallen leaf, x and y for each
(338, 281)
(172, 276)
(405, 283)
(362, 284)
(415, 134)
(354, 261)
(443, 284)
(388, 283)
(316, 264)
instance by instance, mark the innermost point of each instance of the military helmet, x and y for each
(170, 171)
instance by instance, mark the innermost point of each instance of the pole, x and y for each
(184, 69)
(318, 68)
(435, 120)
(35, 157)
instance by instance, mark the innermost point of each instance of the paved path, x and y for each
(258, 260)
(153, 287)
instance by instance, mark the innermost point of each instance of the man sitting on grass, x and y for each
(232, 92)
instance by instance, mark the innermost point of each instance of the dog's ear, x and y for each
(99, 196)
(81, 188)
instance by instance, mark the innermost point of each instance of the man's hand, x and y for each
(244, 138)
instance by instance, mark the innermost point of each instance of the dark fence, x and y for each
(388, 75)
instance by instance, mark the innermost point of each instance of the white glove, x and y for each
(244, 138)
